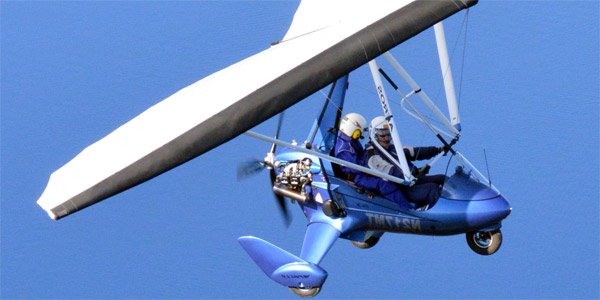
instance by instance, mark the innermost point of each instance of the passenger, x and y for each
(426, 191)
(349, 148)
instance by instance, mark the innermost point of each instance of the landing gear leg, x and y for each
(484, 242)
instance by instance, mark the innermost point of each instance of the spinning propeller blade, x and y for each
(281, 201)
(277, 132)
(249, 168)
(252, 167)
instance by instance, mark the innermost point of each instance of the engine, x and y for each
(293, 179)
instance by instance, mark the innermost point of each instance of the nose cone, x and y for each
(488, 212)
(501, 208)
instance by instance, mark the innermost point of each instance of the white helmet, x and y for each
(353, 125)
(379, 126)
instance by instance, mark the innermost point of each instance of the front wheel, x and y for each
(484, 242)
(306, 293)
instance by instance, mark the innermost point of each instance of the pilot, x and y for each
(349, 148)
(426, 191)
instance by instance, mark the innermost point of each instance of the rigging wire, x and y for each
(464, 25)
(328, 99)
(448, 165)
(462, 65)
(488, 168)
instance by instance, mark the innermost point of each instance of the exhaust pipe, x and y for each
(285, 192)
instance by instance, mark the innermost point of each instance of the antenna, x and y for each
(488, 168)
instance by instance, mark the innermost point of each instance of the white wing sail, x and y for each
(311, 55)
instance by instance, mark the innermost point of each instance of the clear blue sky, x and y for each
(73, 71)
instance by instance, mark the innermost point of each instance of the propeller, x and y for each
(282, 204)
(279, 122)
(250, 168)
(255, 166)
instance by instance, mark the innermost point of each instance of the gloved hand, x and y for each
(444, 149)
(422, 171)
(425, 169)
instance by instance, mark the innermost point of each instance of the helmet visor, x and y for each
(382, 130)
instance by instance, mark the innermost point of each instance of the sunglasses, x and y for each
(383, 133)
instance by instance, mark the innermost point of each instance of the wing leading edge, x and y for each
(178, 129)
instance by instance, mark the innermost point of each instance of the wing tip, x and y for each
(52, 215)
(48, 210)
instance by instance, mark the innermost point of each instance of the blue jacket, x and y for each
(353, 151)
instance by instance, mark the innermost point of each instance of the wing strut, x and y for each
(417, 90)
(440, 39)
(387, 110)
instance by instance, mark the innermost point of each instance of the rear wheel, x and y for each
(370, 242)
(306, 293)
(484, 242)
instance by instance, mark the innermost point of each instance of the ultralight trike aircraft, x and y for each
(326, 41)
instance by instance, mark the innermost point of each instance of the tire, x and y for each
(484, 242)
(306, 293)
(370, 242)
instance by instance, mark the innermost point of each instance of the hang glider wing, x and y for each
(311, 55)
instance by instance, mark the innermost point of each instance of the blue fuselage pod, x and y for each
(465, 205)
